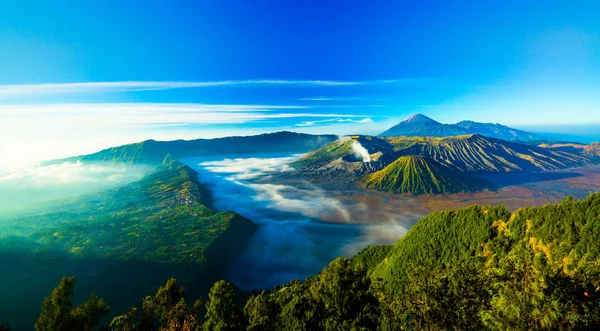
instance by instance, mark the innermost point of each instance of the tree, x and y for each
(58, 313)
(221, 311)
(520, 298)
(344, 290)
(4, 327)
(261, 312)
(166, 310)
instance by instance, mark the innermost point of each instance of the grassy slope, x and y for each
(418, 175)
(162, 218)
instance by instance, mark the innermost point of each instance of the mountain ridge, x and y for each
(463, 159)
(154, 152)
(421, 125)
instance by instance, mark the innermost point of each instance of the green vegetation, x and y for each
(154, 152)
(476, 268)
(58, 313)
(418, 175)
(162, 218)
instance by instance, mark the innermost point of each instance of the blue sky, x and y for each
(112, 72)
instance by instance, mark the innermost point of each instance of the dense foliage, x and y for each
(475, 268)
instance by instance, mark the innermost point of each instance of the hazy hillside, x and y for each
(154, 152)
(165, 217)
(418, 175)
(421, 125)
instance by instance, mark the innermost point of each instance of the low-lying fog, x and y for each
(30, 187)
(301, 227)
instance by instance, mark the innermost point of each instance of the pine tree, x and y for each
(222, 314)
(261, 313)
(58, 313)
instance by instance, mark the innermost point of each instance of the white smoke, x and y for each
(357, 149)
(360, 151)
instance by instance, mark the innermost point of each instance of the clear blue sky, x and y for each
(314, 66)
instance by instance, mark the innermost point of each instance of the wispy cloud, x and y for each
(330, 98)
(115, 115)
(336, 120)
(125, 86)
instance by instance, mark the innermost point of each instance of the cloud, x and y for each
(123, 115)
(330, 98)
(128, 86)
(23, 188)
(336, 120)
(302, 227)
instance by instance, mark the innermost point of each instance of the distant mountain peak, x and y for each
(418, 118)
(421, 125)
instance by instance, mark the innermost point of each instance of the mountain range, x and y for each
(431, 165)
(421, 125)
(154, 152)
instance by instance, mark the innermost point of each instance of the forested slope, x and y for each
(477, 268)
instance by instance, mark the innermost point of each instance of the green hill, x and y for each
(153, 152)
(418, 175)
(165, 217)
(479, 267)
